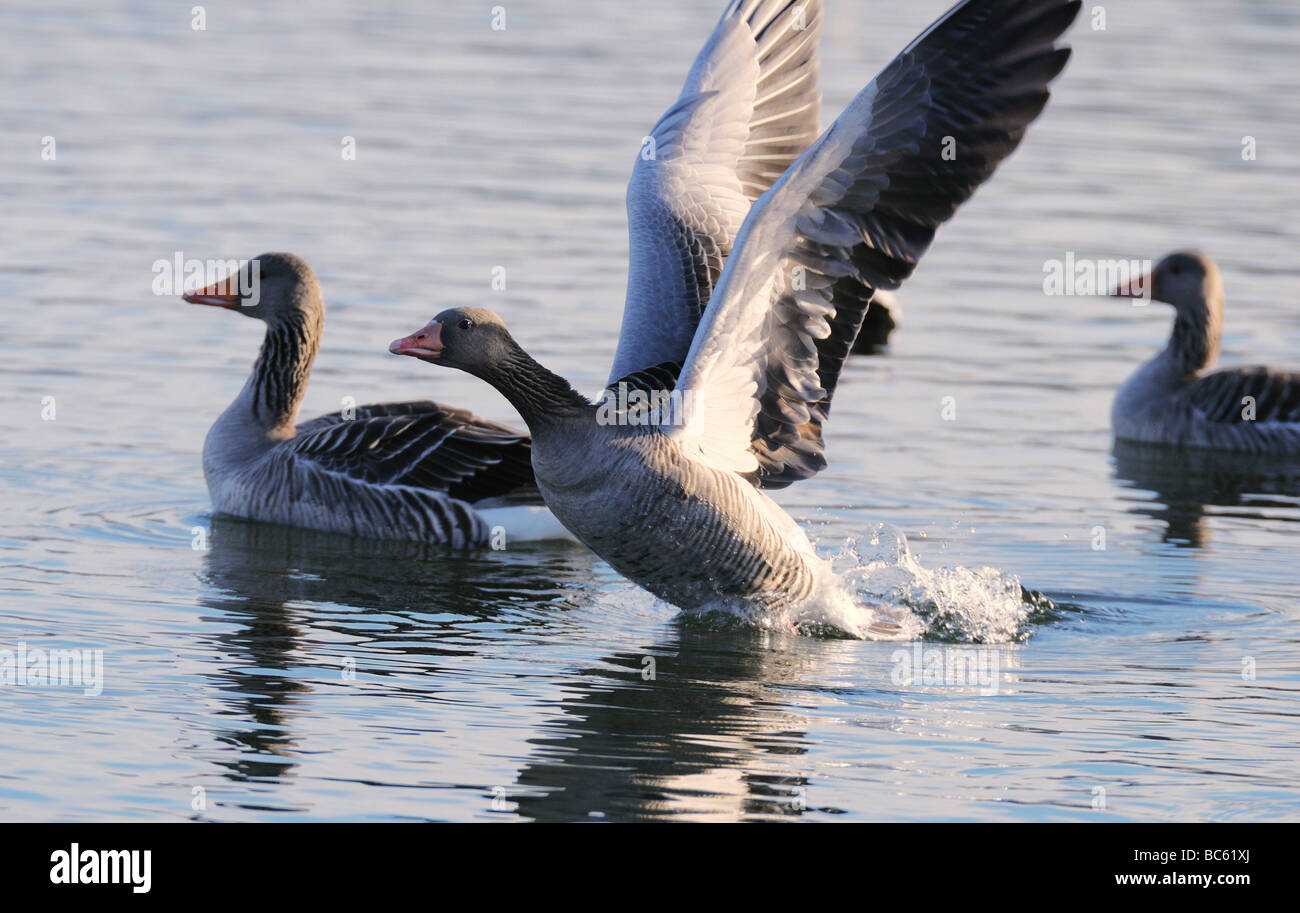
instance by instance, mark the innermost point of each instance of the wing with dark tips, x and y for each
(855, 214)
(1245, 396)
(421, 445)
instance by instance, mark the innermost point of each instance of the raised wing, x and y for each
(421, 445)
(749, 108)
(853, 215)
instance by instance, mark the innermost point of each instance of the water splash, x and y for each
(969, 605)
(874, 588)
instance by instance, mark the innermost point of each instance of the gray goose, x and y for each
(673, 498)
(413, 471)
(1171, 400)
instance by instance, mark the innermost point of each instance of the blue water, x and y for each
(272, 674)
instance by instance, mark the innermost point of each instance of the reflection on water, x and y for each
(687, 716)
(262, 564)
(1185, 485)
(695, 724)
(701, 726)
(262, 578)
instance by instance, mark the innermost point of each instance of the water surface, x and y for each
(275, 674)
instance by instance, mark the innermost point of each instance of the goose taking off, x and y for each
(413, 471)
(673, 499)
(1170, 401)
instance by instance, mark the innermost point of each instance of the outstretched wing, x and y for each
(854, 214)
(421, 445)
(749, 108)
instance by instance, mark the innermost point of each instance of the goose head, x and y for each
(474, 340)
(1188, 281)
(274, 287)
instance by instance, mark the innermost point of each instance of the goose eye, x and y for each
(465, 323)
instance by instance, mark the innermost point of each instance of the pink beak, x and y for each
(1139, 288)
(425, 344)
(222, 294)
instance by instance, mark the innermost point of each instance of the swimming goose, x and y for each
(674, 499)
(414, 471)
(1170, 401)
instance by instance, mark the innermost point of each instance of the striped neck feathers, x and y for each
(538, 394)
(1194, 343)
(278, 381)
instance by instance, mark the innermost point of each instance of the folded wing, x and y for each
(1246, 396)
(419, 445)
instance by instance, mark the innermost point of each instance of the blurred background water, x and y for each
(278, 675)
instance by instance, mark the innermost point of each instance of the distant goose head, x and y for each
(274, 287)
(280, 290)
(1186, 279)
(476, 341)
(1190, 282)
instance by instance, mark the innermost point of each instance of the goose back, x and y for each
(406, 471)
(1247, 410)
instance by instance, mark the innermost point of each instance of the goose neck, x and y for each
(1194, 343)
(540, 396)
(278, 381)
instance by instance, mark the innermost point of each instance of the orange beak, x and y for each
(425, 344)
(217, 294)
(1137, 288)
